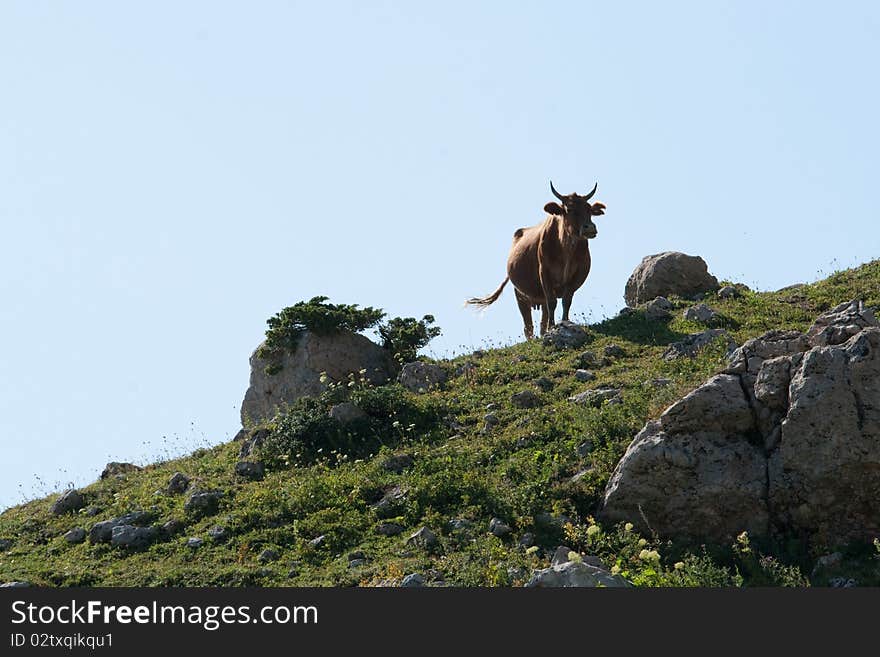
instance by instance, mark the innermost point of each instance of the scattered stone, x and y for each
(575, 574)
(499, 528)
(668, 273)
(692, 344)
(388, 529)
(527, 540)
(660, 382)
(492, 406)
(491, 420)
(560, 555)
(567, 335)
(254, 441)
(102, 532)
(544, 384)
(194, 542)
(203, 503)
(614, 351)
(585, 448)
(114, 468)
(356, 563)
(254, 470)
(318, 541)
(397, 463)
(268, 555)
(131, 537)
(346, 413)
(6, 543)
(584, 376)
(421, 377)
(15, 585)
(412, 580)
(218, 533)
(587, 359)
(701, 313)
(391, 503)
(68, 501)
(423, 538)
(171, 527)
(299, 373)
(580, 475)
(728, 292)
(75, 535)
(460, 524)
(177, 484)
(92, 511)
(525, 399)
(597, 397)
(658, 309)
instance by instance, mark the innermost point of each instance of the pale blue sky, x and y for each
(174, 173)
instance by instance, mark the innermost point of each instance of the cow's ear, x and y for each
(597, 209)
(553, 208)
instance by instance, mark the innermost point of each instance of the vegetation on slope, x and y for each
(541, 470)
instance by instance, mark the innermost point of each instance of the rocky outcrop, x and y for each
(786, 441)
(298, 374)
(668, 273)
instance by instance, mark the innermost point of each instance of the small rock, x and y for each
(842, 583)
(203, 503)
(391, 503)
(69, 501)
(218, 533)
(691, 345)
(75, 535)
(346, 413)
(171, 527)
(585, 448)
(728, 292)
(268, 555)
(15, 585)
(575, 574)
(102, 532)
(660, 382)
(498, 528)
(318, 541)
(420, 377)
(397, 463)
(423, 537)
(544, 384)
(527, 540)
(580, 475)
(356, 563)
(178, 483)
(524, 441)
(614, 351)
(597, 397)
(566, 335)
(194, 542)
(253, 470)
(491, 419)
(525, 399)
(412, 580)
(388, 529)
(6, 543)
(491, 406)
(460, 524)
(587, 359)
(115, 468)
(700, 313)
(560, 556)
(131, 537)
(584, 375)
(92, 511)
(357, 554)
(658, 309)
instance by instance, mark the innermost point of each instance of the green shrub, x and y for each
(404, 336)
(317, 316)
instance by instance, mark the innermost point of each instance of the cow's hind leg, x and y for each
(525, 309)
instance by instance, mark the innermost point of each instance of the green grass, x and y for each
(520, 470)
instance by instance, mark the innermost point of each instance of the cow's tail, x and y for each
(488, 300)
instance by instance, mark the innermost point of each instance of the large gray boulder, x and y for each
(785, 442)
(575, 574)
(337, 355)
(668, 273)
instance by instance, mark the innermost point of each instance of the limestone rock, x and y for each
(421, 377)
(575, 574)
(337, 355)
(566, 335)
(71, 500)
(666, 274)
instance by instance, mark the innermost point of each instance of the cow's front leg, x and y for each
(566, 305)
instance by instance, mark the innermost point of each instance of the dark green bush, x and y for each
(404, 336)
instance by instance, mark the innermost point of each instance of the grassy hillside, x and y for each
(540, 470)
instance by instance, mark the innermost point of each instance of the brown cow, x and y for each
(551, 260)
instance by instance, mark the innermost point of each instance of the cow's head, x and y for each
(577, 211)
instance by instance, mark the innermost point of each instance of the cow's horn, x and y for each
(590, 195)
(555, 193)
